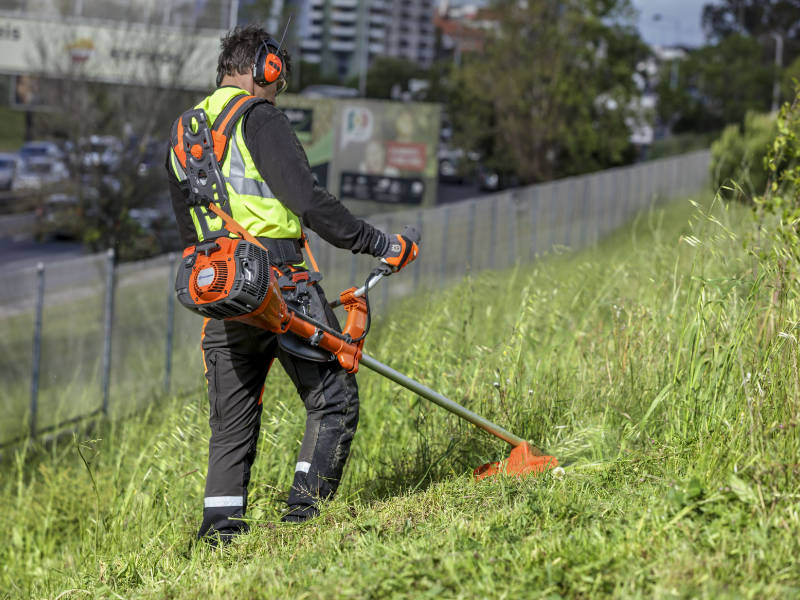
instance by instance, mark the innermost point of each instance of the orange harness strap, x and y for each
(311, 258)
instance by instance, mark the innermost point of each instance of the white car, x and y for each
(102, 152)
(9, 163)
(36, 173)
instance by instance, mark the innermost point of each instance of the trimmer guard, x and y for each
(521, 461)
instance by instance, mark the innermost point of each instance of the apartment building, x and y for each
(344, 36)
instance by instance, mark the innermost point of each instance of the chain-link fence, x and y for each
(82, 336)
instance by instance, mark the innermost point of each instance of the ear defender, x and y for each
(268, 65)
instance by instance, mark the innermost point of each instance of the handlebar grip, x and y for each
(412, 234)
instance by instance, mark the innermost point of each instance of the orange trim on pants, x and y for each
(203, 350)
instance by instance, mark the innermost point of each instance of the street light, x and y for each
(674, 65)
(776, 82)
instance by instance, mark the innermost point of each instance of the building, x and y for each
(462, 28)
(344, 36)
(195, 14)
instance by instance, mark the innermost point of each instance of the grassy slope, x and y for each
(664, 373)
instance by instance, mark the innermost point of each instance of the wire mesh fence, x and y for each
(85, 336)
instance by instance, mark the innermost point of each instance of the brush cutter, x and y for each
(227, 277)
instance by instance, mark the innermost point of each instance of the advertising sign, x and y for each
(312, 120)
(385, 153)
(113, 53)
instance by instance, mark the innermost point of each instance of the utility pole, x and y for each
(364, 58)
(233, 17)
(776, 81)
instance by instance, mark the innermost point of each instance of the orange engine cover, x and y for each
(231, 278)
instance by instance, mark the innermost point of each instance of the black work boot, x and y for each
(219, 528)
(300, 513)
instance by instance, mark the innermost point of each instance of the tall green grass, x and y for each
(659, 366)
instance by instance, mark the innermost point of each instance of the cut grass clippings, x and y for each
(659, 366)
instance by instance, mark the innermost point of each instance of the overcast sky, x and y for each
(679, 23)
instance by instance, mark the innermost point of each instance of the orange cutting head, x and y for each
(521, 461)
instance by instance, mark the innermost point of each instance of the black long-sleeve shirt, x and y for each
(282, 162)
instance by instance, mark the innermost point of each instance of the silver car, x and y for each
(9, 163)
(36, 173)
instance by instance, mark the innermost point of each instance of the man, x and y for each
(272, 192)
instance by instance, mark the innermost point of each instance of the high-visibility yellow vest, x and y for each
(252, 202)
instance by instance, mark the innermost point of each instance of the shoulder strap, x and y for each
(201, 150)
(221, 129)
(227, 119)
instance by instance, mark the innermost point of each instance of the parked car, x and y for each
(151, 157)
(40, 149)
(38, 172)
(100, 152)
(329, 91)
(9, 163)
(490, 180)
(57, 218)
(455, 165)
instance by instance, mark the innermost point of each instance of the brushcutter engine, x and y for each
(231, 278)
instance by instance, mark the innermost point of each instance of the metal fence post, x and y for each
(108, 325)
(37, 346)
(604, 205)
(555, 207)
(445, 235)
(585, 217)
(353, 269)
(385, 286)
(512, 228)
(534, 218)
(170, 322)
(417, 264)
(569, 212)
(473, 206)
(492, 231)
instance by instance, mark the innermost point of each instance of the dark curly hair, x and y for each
(238, 51)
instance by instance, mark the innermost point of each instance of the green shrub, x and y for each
(781, 195)
(737, 157)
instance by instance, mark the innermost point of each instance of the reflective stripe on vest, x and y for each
(237, 179)
(252, 202)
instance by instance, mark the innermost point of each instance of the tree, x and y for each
(385, 73)
(717, 84)
(759, 19)
(137, 115)
(549, 95)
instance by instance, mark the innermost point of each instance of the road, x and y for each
(19, 254)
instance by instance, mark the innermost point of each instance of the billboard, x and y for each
(372, 154)
(112, 53)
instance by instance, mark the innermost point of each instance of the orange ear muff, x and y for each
(273, 66)
(268, 66)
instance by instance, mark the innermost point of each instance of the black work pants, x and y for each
(237, 359)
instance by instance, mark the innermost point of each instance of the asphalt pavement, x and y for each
(20, 254)
(23, 253)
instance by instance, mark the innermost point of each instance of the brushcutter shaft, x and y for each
(437, 398)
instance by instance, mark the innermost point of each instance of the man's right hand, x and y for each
(402, 248)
